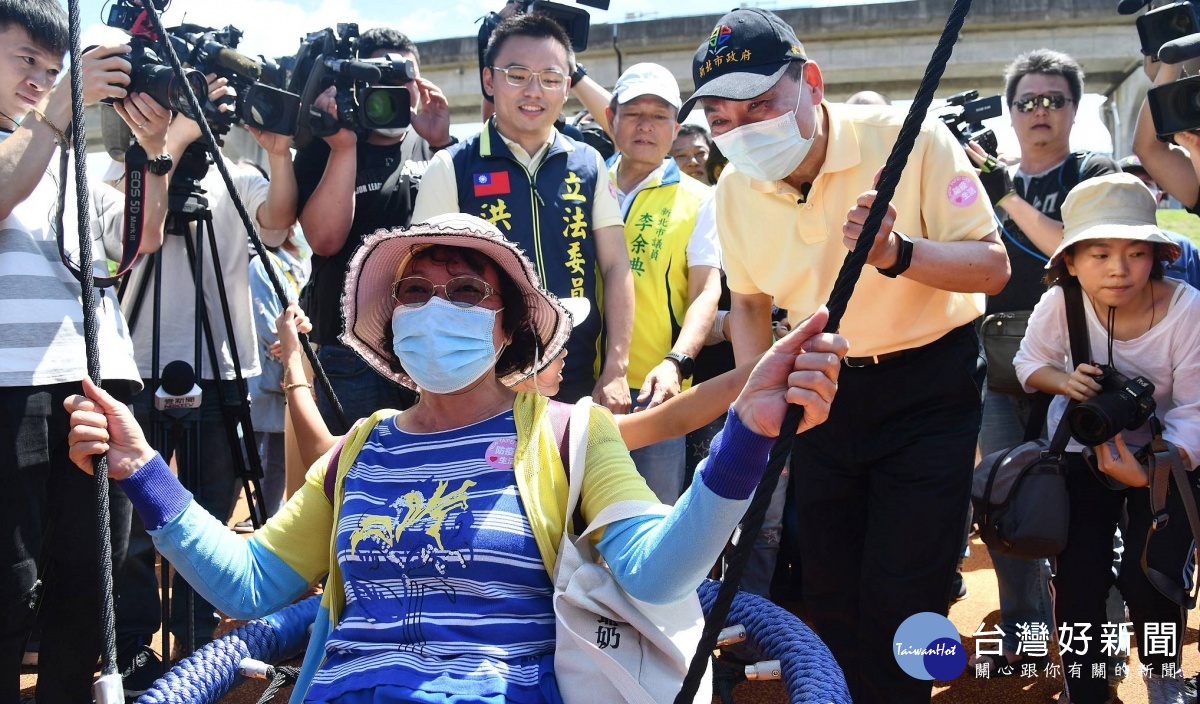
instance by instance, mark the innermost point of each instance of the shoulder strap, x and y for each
(1080, 352)
(331, 470)
(570, 423)
(1164, 463)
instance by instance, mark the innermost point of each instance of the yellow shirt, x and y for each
(792, 251)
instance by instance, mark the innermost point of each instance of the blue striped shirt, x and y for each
(445, 588)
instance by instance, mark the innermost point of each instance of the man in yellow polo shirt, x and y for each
(882, 488)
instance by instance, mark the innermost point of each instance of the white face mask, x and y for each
(443, 347)
(391, 132)
(769, 150)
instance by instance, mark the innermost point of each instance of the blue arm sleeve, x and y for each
(661, 559)
(240, 577)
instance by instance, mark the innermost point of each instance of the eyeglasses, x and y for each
(462, 291)
(1050, 102)
(520, 77)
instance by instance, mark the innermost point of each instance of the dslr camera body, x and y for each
(966, 122)
(148, 73)
(1122, 404)
(372, 93)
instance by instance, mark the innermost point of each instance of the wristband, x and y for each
(717, 333)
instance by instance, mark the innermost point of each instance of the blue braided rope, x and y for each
(810, 672)
(210, 672)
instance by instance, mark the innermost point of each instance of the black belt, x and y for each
(859, 362)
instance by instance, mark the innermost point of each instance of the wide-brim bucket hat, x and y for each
(1113, 206)
(367, 303)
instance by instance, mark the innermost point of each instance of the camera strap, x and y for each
(1164, 463)
(135, 210)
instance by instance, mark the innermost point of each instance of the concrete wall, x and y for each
(883, 47)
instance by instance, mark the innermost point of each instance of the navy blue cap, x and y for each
(747, 53)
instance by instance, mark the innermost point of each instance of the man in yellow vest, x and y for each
(673, 253)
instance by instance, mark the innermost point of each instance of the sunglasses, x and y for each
(462, 291)
(1050, 102)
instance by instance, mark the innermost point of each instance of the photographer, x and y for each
(49, 520)
(1139, 324)
(549, 194)
(273, 205)
(352, 184)
(1043, 89)
(1174, 167)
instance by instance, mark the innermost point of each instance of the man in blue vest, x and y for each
(549, 194)
(671, 238)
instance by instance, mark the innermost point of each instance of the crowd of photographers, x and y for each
(685, 279)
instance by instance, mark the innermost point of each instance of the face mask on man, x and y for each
(391, 132)
(769, 150)
(444, 347)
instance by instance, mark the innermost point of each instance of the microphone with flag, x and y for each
(179, 390)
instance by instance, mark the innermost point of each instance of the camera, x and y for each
(1175, 106)
(1167, 23)
(151, 75)
(148, 73)
(1122, 403)
(328, 58)
(575, 21)
(258, 83)
(967, 121)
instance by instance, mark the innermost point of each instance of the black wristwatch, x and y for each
(160, 165)
(686, 364)
(903, 261)
(578, 74)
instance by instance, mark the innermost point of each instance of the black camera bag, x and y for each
(1020, 494)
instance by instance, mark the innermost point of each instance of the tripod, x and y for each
(175, 426)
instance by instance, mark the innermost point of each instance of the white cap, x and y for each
(647, 79)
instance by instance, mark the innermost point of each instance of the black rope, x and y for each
(211, 142)
(281, 676)
(839, 298)
(108, 655)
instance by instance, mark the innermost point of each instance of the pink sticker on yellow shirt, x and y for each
(962, 191)
(500, 453)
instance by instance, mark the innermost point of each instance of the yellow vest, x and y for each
(658, 227)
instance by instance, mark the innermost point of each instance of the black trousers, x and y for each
(49, 518)
(1084, 575)
(881, 492)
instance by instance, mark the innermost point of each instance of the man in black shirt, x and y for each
(351, 184)
(1043, 89)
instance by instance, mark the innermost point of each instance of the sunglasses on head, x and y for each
(462, 291)
(1050, 102)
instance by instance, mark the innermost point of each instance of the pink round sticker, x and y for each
(500, 453)
(962, 191)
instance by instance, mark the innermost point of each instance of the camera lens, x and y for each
(161, 83)
(1091, 425)
(380, 107)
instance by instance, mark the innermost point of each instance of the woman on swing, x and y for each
(445, 521)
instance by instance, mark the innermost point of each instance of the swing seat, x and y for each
(810, 673)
